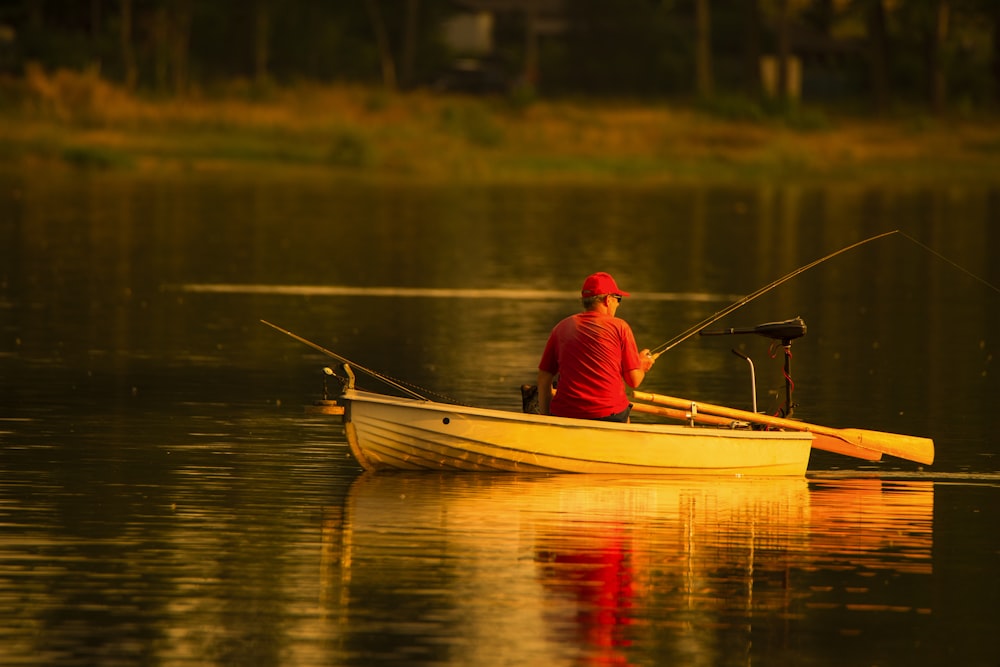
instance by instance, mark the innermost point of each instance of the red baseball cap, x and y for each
(600, 283)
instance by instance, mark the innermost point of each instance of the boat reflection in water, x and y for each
(483, 569)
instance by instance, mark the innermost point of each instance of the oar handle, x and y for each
(681, 415)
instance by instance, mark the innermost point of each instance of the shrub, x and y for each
(67, 95)
(88, 157)
(473, 123)
(349, 149)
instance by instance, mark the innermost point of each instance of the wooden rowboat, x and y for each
(386, 432)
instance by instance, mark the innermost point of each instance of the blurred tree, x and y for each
(878, 54)
(131, 71)
(386, 60)
(783, 30)
(262, 42)
(170, 35)
(95, 23)
(632, 47)
(785, 15)
(937, 34)
(704, 80)
(932, 52)
(160, 36)
(180, 37)
(994, 10)
(752, 46)
(410, 38)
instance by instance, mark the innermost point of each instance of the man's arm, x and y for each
(544, 391)
(635, 376)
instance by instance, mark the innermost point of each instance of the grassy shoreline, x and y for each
(368, 133)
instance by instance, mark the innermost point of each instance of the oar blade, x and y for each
(909, 447)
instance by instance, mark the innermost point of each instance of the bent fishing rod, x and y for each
(683, 336)
(375, 374)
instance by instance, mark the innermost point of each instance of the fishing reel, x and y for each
(785, 332)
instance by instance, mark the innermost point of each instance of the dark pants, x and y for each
(618, 416)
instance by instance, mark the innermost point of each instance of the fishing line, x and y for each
(683, 336)
(954, 264)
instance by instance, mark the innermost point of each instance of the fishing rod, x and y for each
(683, 336)
(375, 374)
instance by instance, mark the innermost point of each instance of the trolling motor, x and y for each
(786, 332)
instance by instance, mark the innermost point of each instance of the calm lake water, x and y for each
(165, 499)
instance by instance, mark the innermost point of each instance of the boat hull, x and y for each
(385, 432)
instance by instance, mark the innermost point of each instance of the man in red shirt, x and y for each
(594, 354)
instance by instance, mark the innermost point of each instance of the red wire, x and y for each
(788, 378)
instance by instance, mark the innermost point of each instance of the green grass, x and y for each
(85, 123)
(91, 157)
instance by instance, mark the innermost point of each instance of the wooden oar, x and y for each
(908, 447)
(680, 415)
(820, 441)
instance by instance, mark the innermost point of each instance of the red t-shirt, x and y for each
(591, 352)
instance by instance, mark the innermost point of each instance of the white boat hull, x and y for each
(385, 432)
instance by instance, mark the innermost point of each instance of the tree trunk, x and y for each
(530, 74)
(131, 73)
(996, 54)
(161, 60)
(703, 49)
(751, 46)
(784, 50)
(382, 42)
(95, 23)
(878, 55)
(410, 33)
(937, 34)
(824, 17)
(261, 42)
(180, 37)
(36, 14)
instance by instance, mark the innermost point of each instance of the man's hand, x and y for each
(647, 360)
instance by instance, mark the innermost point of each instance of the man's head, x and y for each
(601, 288)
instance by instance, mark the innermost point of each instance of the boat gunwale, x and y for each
(567, 422)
